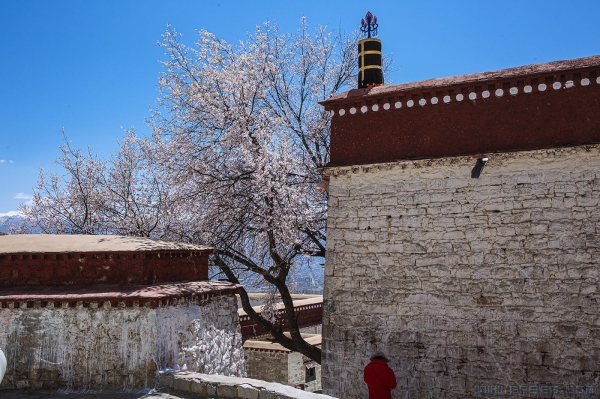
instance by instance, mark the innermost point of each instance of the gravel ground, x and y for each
(9, 394)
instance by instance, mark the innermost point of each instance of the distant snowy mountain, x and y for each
(8, 220)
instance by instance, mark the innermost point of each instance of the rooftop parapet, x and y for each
(51, 260)
(531, 107)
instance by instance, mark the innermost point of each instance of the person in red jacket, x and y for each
(379, 377)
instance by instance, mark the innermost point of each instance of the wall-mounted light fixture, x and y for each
(476, 171)
(324, 184)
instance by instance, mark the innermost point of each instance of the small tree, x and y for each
(238, 136)
(123, 195)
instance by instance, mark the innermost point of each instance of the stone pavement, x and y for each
(8, 394)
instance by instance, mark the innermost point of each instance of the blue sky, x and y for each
(92, 66)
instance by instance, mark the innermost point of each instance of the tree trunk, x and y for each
(296, 343)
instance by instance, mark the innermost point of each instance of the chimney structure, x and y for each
(370, 71)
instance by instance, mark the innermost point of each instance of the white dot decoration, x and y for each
(460, 97)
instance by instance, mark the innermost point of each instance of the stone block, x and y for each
(198, 387)
(21, 384)
(246, 391)
(166, 379)
(182, 384)
(211, 389)
(227, 391)
(264, 394)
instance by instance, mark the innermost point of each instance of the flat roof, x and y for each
(270, 345)
(61, 243)
(262, 295)
(117, 292)
(314, 300)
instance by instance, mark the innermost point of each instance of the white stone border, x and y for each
(473, 95)
(221, 387)
(464, 160)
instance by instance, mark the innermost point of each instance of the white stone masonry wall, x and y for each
(280, 366)
(297, 372)
(270, 366)
(122, 348)
(471, 286)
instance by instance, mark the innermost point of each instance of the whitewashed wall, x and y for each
(84, 348)
(471, 286)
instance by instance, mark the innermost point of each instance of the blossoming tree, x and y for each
(238, 137)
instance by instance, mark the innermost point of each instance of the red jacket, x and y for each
(380, 379)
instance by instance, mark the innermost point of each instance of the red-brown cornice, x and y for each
(549, 105)
(569, 73)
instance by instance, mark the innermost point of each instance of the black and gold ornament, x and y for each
(370, 72)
